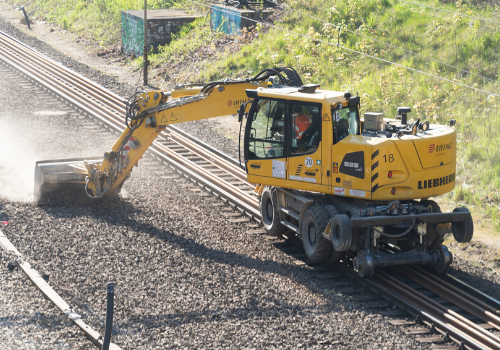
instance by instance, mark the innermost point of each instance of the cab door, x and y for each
(265, 151)
(351, 155)
(304, 143)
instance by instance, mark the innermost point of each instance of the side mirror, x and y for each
(415, 127)
(241, 112)
(453, 122)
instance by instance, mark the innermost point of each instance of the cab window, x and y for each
(305, 128)
(346, 122)
(267, 130)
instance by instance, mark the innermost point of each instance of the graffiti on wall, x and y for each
(132, 34)
(225, 20)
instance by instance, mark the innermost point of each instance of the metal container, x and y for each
(374, 121)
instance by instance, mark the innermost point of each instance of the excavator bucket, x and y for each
(55, 176)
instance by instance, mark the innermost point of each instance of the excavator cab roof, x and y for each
(294, 93)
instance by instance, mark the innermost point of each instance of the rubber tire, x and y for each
(313, 224)
(341, 233)
(269, 205)
(333, 210)
(462, 231)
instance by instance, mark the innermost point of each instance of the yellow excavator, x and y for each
(343, 184)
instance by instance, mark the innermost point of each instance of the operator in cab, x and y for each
(301, 122)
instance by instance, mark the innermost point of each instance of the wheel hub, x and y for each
(364, 264)
(270, 210)
(312, 235)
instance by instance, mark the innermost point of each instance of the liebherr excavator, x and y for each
(342, 184)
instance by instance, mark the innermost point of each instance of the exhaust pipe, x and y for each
(56, 175)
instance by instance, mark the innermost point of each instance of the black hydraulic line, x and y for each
(293, 75)
(290, 78)
(109, 316)
(397, 235)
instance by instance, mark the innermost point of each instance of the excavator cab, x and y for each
(289, 134)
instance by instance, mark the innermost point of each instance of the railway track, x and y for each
(469, 320)
(204, 165)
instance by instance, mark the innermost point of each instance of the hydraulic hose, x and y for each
(398, 235)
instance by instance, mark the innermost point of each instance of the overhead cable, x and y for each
(348, 49)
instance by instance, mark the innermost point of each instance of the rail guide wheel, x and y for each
(269, 212)
(363, 263)
(443, 261)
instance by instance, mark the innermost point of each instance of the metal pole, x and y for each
(109, 316)
(25, 16)
(146, 62)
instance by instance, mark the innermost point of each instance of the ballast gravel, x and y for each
(185, 276)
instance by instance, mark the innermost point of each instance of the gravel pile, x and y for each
(186, 276)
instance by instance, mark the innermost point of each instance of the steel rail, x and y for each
(89, 98)
(51, 294)
(473, 291)
(216, 159)
(417, 305)
(205, 146)
(442, 288)
(56, 69)
(453, 319)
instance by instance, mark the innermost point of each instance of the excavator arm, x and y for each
(148, 114)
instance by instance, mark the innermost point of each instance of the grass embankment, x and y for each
(315, 49)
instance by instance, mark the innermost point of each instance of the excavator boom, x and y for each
(147, 115)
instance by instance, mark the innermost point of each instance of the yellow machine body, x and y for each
(421, 165)
(371, 168)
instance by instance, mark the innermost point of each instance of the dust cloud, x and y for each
(17, 163)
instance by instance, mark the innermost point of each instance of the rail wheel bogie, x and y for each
(379, 234)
